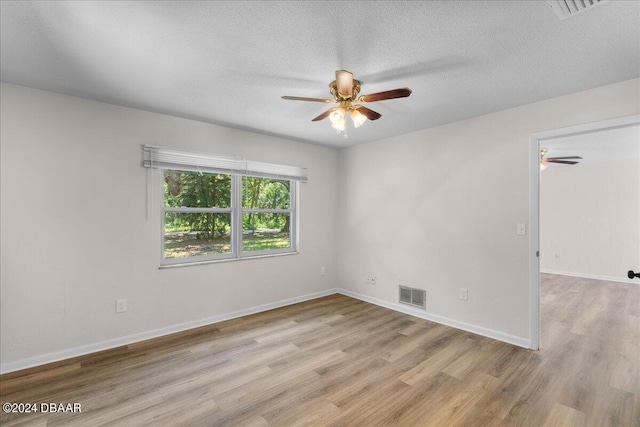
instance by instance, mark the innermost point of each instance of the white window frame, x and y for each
(188, 260)
(293, 191)
(161, 158)
(236, 211)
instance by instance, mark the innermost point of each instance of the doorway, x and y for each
(536, 142)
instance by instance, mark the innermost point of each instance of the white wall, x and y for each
(437, 209)
(590, 219)
(75, 235)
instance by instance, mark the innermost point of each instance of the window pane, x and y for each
(196, 190)
(196, 234)
(264, 231)
(263, 193)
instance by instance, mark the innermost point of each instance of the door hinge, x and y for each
(538, 254)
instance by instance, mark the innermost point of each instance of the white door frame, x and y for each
(534, 209)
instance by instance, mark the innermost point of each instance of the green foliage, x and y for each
(262, 193)
(181, 245)
(206, 190)
(263, 241)
(201, 190)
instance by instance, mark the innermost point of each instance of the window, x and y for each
(218, 208)
(266, 214)
(197, 215)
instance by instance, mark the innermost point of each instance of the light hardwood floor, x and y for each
(342, 362)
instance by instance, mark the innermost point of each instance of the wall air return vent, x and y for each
(567, 8)
(412, 296)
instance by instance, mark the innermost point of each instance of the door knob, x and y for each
(631, 274)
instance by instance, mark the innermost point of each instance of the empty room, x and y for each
(320, 213)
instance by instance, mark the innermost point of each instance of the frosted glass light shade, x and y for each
(338, 118)
(357, 117)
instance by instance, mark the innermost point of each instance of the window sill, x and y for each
(216, 261)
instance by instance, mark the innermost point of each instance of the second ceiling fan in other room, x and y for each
(566, 160)
(345, 90)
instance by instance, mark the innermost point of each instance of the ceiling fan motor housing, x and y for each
(333, 88)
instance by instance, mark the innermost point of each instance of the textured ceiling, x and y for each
(229, 62)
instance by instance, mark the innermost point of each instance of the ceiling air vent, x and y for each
(412, 296)
(567, 8)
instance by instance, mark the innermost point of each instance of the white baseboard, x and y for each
(590, 276)
(490, 333)
(130, 339)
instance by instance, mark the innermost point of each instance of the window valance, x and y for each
(168, 158)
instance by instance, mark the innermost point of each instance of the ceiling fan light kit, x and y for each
(345, 90)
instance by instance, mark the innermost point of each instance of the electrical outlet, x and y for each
(557, 256)
(121, 305)
(464, 294)
(373, 280)
(323, 271)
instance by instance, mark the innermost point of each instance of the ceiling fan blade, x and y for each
(302, 98)
(323, 115)
(344, 83)
(388, 94)
(565, 162)
(566, 157)
(369, 114)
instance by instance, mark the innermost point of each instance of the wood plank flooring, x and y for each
(337, 361)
